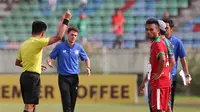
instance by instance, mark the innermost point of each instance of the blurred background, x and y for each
(113, 34)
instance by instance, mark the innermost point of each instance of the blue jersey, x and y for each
(179, 51)
(68, 58)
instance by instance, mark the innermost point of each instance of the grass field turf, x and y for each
(187, 104)
(10, 107)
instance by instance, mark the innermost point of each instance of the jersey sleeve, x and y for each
(181, 50)
(54, 53)
(42, 42)
(83, 55)
(158, 50)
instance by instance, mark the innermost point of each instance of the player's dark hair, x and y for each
(162, 32)
(72, 28)
(116, 9)
(170, 22)
(38, 27)
(152, 21)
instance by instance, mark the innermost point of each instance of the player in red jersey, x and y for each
(160, 78)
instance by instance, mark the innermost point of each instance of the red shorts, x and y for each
(160, 98)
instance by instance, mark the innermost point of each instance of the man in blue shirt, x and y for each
(68, 54)
(180, 52)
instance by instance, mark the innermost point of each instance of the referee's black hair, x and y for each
(38, 27)
(170, 22)
(152, 21)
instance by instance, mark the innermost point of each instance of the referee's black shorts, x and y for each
(30, 87)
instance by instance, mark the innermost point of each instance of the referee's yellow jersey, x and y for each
(30, 53)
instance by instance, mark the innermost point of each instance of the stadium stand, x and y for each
(16, 26)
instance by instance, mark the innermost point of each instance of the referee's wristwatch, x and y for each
(188, 76)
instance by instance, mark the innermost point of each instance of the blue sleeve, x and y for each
(83, 55)
(54, 53)
(181, 50)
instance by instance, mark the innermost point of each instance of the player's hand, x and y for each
(88, 71)
(68, 15)
(156, 76)
(141, 91)
(43, 68)
(188, 79)
(49, 62)
(141, 88)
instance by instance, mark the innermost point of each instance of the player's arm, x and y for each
(52, 56)
(185, 69)
(145, 79)
(160, 55)
(49, 62)
(182, 54)
(142, 85)
(87, 63)
(18, 61)
(172, 62)
(184, 65)
(161, 64)
(84, 57)
(61, 30)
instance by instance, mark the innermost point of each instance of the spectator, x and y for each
(9, 4)
(52, 5)
(82, 4)
(165, 15)
(82, 26)
(118, 27)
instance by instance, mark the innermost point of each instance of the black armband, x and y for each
(65, 21)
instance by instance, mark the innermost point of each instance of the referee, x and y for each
(68, 54)
(30, 59)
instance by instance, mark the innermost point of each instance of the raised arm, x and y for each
(61, 29)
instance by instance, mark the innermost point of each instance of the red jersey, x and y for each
(158, 48)
(119, 28)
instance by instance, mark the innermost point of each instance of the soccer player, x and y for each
(68, 54)
(30, 59)
(160, 78)
(168, 44)
(179, 52)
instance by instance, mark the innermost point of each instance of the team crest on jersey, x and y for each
(64, 51)
(76, 52)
